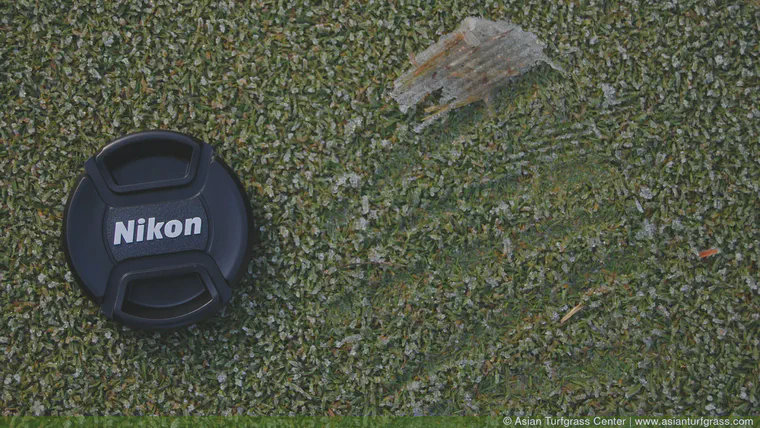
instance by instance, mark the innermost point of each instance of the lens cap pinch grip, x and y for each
(158, 230)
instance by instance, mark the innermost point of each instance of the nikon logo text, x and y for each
(154, 229)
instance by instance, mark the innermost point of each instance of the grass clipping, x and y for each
(468, 64)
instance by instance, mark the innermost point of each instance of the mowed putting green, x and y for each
(585, 244)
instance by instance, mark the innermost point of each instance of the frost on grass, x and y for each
(610, 96)
(468, 65)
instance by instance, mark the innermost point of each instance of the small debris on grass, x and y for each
(571, 313)
(707, 253)
(468, 64)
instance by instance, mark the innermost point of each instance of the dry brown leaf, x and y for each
(708, 253)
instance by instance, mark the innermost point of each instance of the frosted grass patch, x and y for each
(469, 64)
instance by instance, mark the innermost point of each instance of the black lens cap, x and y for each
(158, 230)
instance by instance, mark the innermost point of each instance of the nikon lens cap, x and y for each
(158, 230)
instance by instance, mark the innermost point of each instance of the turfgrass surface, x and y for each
(402, 273)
